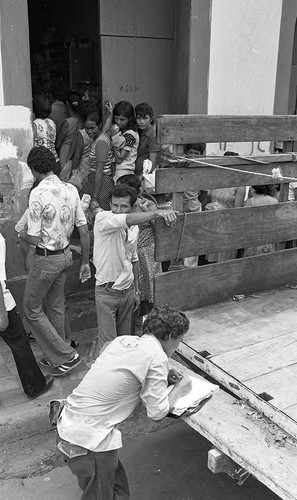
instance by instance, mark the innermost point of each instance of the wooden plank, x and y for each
(247, 353)
(191, 288)
(259, 363)
(239, 389)
(199, 233)
(177, 198)
(235, 337)
(292, 411)
(187, 129)
(280, 384)
(250, 440)
(203, 177)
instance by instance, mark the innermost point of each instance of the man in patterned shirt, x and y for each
(54, 209)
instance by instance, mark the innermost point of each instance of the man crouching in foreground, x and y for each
(130, 369)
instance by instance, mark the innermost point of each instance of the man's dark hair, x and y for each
(143, 109)
(121, 191)
(41, 159)
(130, 180)
(164, 322)
(41, 106)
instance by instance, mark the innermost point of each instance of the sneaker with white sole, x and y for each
(66, 367)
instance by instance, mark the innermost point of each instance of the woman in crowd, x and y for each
(44, 129)
(125, 156)
(81, 146)
(69, 128)
(102, 159)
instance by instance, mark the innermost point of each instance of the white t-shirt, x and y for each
(131, 369)
(8, 298)
(115, 248)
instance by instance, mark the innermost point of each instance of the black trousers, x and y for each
(31, 376)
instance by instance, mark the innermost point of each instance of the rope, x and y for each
(207, 164)
(181, 239)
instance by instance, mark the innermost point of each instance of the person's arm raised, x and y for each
(135, 219)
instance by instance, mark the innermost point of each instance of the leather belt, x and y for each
(109, 284)
(45, 252)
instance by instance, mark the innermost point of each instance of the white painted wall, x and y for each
(1, 70)
(243, 62)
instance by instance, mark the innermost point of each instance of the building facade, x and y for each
(181, 56)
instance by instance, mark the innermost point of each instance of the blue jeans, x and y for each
(45, 292)
(114, 312)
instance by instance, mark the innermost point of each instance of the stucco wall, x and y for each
(14, 36)
(16, 138)
(243, 61)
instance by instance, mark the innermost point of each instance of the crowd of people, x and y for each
(77, 158)
(130, 368)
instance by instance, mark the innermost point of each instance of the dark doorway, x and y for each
(64, 43)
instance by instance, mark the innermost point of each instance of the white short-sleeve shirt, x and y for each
(115, 249)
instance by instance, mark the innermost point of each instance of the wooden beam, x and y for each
(204, 285)
(228, 229)
(187, 129)
(249, 441)
(202, 177)
(240, 390)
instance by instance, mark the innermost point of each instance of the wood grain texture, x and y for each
(247, 439)
(187, 129)
(242, 391)
(217, 230)
(202, 177)
(192, 288)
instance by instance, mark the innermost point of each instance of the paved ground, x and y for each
(164, 461)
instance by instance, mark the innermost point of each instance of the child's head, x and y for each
(41, 106)
(123, 116)
(168, 325)
(144, 116)
(194, 150)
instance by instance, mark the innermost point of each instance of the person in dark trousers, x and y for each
(32, 379)
(130, 370)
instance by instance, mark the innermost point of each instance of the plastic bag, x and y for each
(66, 171)
(148, 176)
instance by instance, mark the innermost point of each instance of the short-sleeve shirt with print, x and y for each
(54, 209)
